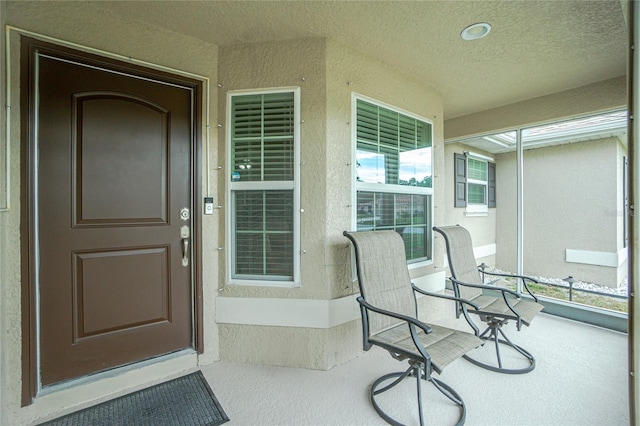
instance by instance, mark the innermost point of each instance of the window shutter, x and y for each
(491, 184)
(460, 173)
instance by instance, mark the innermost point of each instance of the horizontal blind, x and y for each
(477, 169)
(262, 137)
(264, 233)
(407, 214)
(477, 193)
(391, 147)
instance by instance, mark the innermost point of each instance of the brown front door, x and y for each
(111, 159)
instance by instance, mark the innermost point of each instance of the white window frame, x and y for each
(378, 187)
(262, 185)
(478, 209)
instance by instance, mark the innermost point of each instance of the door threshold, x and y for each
(85, 391)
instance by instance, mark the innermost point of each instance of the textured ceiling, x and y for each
(534, 48)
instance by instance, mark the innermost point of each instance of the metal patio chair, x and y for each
(495, 311)
(389, 320)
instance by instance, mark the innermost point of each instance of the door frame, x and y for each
(28, 120)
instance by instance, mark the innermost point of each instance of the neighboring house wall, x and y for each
(571, 200)
(482, 228)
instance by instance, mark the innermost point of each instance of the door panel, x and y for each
(107, 128)
(101, 281)
(114, 155)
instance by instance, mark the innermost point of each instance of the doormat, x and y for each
(187, 400)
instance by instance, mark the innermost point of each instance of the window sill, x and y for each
(263, 283)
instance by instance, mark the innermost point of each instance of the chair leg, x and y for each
(415, 369)
(494, 331)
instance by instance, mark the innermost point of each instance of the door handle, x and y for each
(185, 252)
(184, 233)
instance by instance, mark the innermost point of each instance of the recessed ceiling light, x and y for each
(475, 31)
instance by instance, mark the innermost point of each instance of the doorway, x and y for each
(109, 233)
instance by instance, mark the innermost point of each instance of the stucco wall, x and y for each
(316, 325)
(84, 24)
(570, 202)
(296, 63)
(349, 72)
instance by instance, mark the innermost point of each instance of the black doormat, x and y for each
(187, 400)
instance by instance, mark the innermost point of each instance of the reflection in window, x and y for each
(393, 151)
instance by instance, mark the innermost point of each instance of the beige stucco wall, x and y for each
(297, 63)
(349, 72)
(571, 200)
(84, 24)
(327, 74)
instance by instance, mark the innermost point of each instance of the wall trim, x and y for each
(599, 258)
(303, 313)
(478, 252)
(484, 251)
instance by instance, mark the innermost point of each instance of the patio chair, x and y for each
(389, 320)
(495, 311)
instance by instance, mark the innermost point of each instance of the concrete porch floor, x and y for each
(580, 379)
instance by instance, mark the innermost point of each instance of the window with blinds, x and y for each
(476, 181)
(394, 176)
(263, 187)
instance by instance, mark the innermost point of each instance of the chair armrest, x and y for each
(524, 279)
(502, 290)
(409, 320)
(461, 308)
(488, 287)
(445, 296)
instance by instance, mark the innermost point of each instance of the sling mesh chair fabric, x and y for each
(389, 319)
(494, 311)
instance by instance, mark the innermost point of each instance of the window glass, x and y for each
(477, 169)
(262, 138)
(476, 181)
(476, 193)
(408, 214)
(263, 190)
(392, 148)
(264, 233)
(394, 151)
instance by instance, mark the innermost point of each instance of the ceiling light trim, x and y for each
(475, 31)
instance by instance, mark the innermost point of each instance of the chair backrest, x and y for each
(462, 261)
(383, 275)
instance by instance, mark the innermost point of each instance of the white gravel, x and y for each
(620, 291)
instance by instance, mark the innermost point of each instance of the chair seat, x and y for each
(496, 305)
(443, 344)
